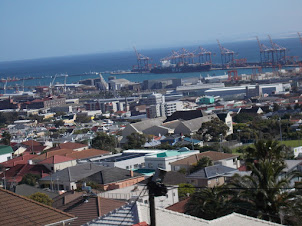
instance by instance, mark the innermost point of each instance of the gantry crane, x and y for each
(227, 56)
(204, 56)
(265, 53)
(278, 53)
(142, 62)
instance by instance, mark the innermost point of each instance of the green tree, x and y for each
(211, 130)
(135, 140)
(262, 193)
(243, 118)
(209, 203)
(30, 179)
(202, 163)
(104, 142)
(266, 150)
(82, 118)
(59, 123)
(6, 137)
(185, 190)
(41, 198)
(276, 107)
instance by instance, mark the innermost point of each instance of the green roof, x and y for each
(4, 149)
(173, 153)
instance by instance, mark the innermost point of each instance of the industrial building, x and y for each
(269, 89)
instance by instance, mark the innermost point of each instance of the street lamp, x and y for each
(298, 130)
(192, 141)
(280, 129)
(238, 130)
(220, 135)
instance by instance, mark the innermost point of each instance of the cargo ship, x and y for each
(167, 67)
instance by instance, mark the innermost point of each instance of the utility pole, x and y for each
(280, 129)
(155, 189)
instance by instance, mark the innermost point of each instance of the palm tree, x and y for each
(209, 203)
(264, 193)
(265, 150)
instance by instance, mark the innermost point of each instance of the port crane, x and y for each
(204, 56)
(142, 62)
(51, 85)
(227, 56)
(278, 53)
(265, 53)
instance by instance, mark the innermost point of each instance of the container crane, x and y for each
(278, 53)
(51, 85)
(264, 52)
(227, 56)
(142, 62)
(204, 56)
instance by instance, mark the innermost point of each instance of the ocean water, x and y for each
(102, 62)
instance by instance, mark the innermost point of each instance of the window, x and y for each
(150, 165)
(146, 201)
(176, 168)
(135, 166)
(127, 167)
(160, 165)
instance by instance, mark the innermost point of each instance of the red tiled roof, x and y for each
(35, 149)
(19, 160)
(48, 154)
(19, 210)
(56, 159)
(87, 153)
(72, 154)
(16, 173)
(31, 143)
(71, 145)
(179, 206)
(87, 211)
(213, 155)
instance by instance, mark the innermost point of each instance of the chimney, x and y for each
(131, 173)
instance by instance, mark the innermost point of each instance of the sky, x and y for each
(36, 29)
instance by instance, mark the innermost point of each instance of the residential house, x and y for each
(163, 159)
(88, 207)
(210, 176)
(19, 210)
(221, 158)
(15, 174)
(138, 214)
(129, 159)
(78, 155)
(253, 111)
(227, 119)
(58, 162)
(107, 178)
(292, 166)
(18, 160)
(27, 190)
(140, 127)
(139, 193)
(6, 153)
(72, 145)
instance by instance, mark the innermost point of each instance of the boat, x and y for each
(166, 67)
